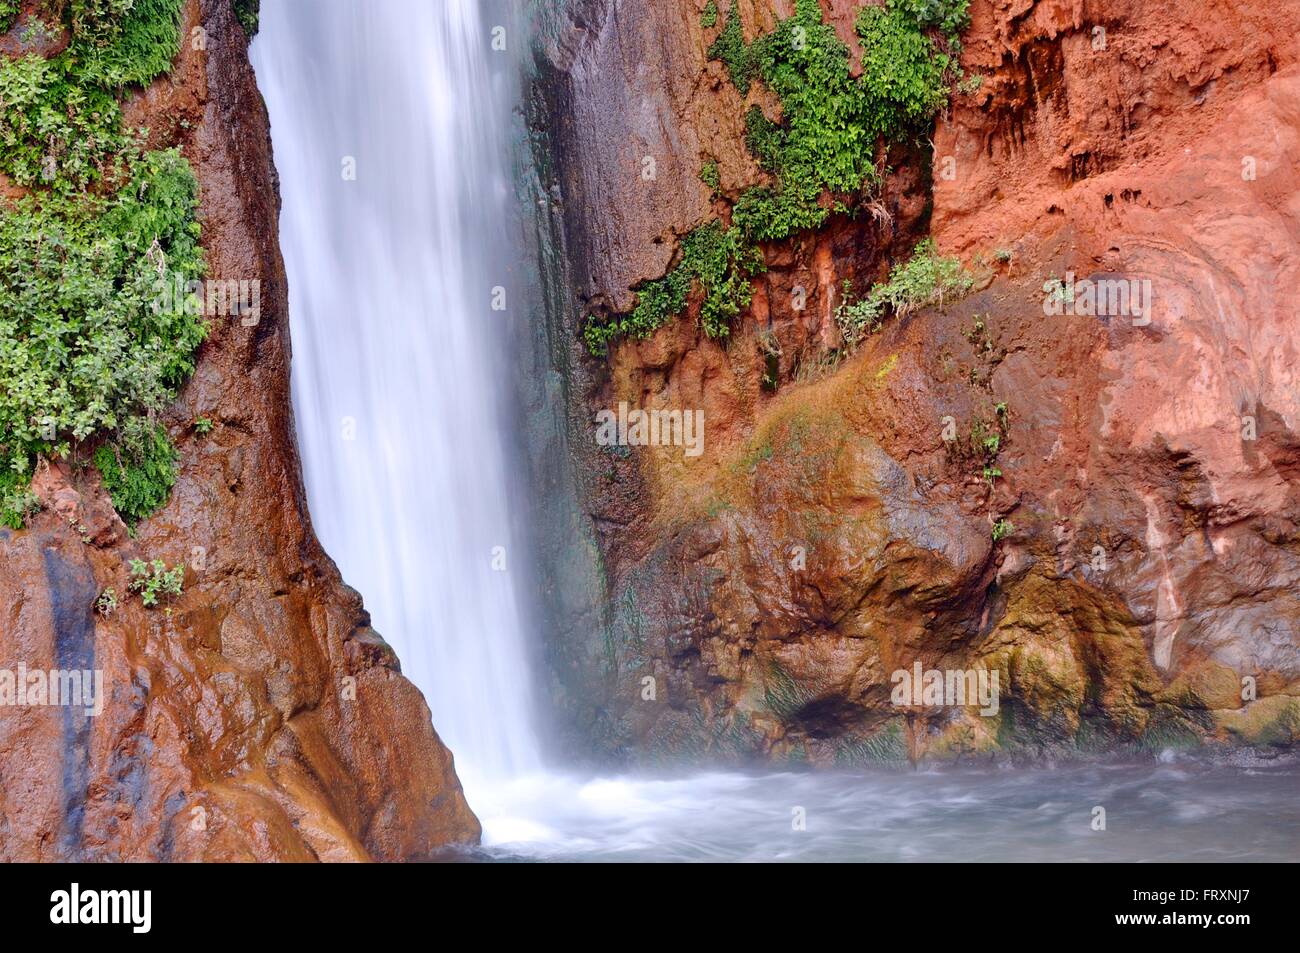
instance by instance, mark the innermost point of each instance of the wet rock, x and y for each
(758, 598)
(256, 716)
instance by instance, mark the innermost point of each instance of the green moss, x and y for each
(139, 469)
(709, 18)
(887, 746)
(783, 696)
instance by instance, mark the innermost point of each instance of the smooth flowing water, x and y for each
(389, 130)
(390, 134)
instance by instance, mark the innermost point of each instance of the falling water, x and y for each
(388, 127)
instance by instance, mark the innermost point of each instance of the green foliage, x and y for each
(716, 258)
(81, 345)
(710, 177)
(60, 121)
(54, 132)
(731, 48)
(203, 425)
(153, 579)
(858, 318)
(8, 14)
(1002, 529)
(825, 144)
(903, 69)
(764, 139)
(831, 121)
(17, 502)
(106, 604)
(949, 17)
(83, 349)
(925, 279)
(709, 18)
(119, 43)
(248, 11)
(139, 469)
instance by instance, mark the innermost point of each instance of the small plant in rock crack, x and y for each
(770, 348)
(710, 176)
(203, 426)
(152, 579)
(979, 337)
(106, 604)
(1002, 529)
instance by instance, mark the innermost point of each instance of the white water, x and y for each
(396, 370)
(390, 278)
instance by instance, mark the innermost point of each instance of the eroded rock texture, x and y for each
(829, 535)
(259, 717)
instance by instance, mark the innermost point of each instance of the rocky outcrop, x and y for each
(1140, 588)
(257, 716)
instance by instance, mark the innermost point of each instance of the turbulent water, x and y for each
(397, 387)
(1170, 811)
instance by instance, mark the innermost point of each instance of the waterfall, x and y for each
(388, 120)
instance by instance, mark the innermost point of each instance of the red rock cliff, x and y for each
(260, 717)
(830, 535)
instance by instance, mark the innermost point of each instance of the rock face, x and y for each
(757, 601)
(257, 716)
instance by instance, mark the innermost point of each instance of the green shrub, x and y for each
(903, 71)
(925, 279)
(60, 121)
(17, 502)
(8, 14)
(248, 11)
(718, 260)
(106, 604)
(83, 350)
(822, 153)
(1002, 529)
(949, 17)
(709, 18)
(710, 177)
(139, 469)
(764, 139)
(118, 43)
(54, 132)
